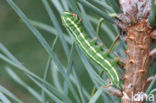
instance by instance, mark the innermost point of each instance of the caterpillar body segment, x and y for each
(91, 49)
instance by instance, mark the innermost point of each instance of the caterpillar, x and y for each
(90, 47)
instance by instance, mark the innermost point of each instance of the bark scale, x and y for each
(139, 44)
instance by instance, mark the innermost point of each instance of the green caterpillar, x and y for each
(90, 48)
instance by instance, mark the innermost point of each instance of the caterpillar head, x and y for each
(67, 17)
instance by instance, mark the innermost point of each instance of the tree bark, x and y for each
(139, 44)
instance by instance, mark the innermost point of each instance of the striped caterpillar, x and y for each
(91, 49)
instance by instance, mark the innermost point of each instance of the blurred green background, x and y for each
(22, 43)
